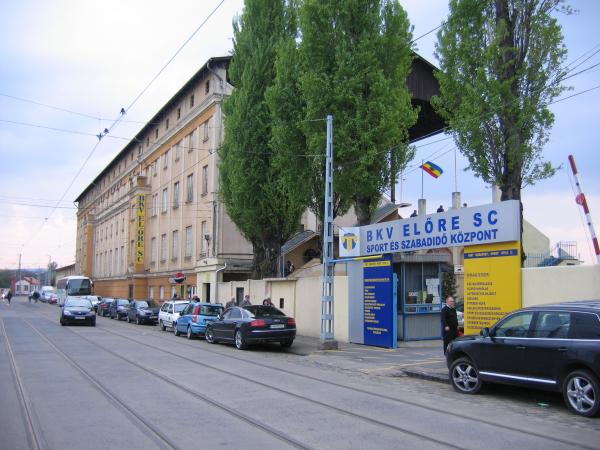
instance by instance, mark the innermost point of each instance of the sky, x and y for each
(69, 66)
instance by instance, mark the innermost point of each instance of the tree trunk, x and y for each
(363, 211)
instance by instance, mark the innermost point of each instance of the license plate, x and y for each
(279, 325)
(79, 318)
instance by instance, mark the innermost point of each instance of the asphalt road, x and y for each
(121, 385)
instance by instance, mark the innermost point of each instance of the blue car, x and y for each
(193, 319)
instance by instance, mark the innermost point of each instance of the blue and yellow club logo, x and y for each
(349, 241)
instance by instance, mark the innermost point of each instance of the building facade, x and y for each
(154, 212)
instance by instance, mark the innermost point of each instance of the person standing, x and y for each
(267, 302)
(8, 296)
(246, 301)
(449, 322)
(230, 303)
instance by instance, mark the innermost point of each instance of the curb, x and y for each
(423, 375)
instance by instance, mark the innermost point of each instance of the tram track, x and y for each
(149, 426)
(332, 383)
(238, 376)
(35, 437)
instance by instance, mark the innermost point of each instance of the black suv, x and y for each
(552, 347)
(143, 311)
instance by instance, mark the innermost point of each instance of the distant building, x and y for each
(24, 286)
(65, 271)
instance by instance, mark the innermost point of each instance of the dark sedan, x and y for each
(143, 311)
(118, 308)
(79, 311)
(252, 325)
(104, 306)
(551, 347)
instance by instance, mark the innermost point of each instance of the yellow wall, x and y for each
(542, 285)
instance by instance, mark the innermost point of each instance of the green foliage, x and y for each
(448, 285)
(258, 197)
(500, 69)
(355, 57)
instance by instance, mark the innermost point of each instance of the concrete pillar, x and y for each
(422, 207)
(455, 200)
(496, 194)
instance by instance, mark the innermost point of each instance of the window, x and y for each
(165, 200)
(147, 144)
(166, 159)
(116, 261)
(151, 292)
(178, 113)
(156, 134)
(110, 262)
(585, 326)
(203, 241)
(163, 248)
(205, 129)
(132, 249)
(161, 291)
(175, 245)
(204, 180)
(207, 87)
(122, 258)
(154, 205)
(176, 194)
(178, 151)
(153, 250)
(188, 242)
(133, 212)
(140, 150)
(190, 188)
(515, 326)
(167, 124)
(191, 140)
(551, 325)
(192, 101)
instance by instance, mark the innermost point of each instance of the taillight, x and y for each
(258, 323)
(194, 319)
(292, 322)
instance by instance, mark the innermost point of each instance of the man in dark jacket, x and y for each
(449, 322)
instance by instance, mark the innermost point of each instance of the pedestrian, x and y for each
(230, 303)
(246, 301)
(440, 209)
(35, 296)
(196, 299)
(414, 213)
(8, 296)
(267, 301)
(175, 296)
(449, 322)
(289, 268)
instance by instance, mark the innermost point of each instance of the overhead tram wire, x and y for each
(123, 111)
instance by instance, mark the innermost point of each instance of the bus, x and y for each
(73, 286)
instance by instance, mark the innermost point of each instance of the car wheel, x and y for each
(240, 344)
(62, 323)
(581, 391)
(162, 326)
(190, 335)
(287, 344)
(93, 323)
(210, 336)
(464, 376)
(137, 320)
(175, 331)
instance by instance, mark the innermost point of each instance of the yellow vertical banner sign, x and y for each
(492, 283)
(140, 224)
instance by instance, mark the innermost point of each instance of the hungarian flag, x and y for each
(432, 169)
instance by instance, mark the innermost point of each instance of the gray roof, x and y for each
(297, 240)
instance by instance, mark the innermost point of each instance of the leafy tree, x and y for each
(263, 205)
(355, 57)
(501, 67)
(448, 285)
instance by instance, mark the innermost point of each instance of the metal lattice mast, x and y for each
(327, 330)
(583, 202)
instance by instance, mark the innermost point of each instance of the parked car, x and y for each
(195, 317)
(143, 311)
(52, 298)
(460, 316)
(45, 292)
(95, 299)
(252, 324)
(551, 347)
(77, 310)
(118, 308)
(103, 306)
(169, 313)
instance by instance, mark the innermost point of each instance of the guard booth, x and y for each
(419, 295)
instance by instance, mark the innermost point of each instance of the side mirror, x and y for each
(485, 332)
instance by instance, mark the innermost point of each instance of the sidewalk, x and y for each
(418, 359)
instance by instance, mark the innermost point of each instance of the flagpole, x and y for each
(455, 179)
(422, 162)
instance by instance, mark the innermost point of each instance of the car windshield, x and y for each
(209, 310)
(147, 304)
(264, 311)
(80, 287)
(180, 306)
(78, 302)
(122, 302)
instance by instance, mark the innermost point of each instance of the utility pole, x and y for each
(18, 274)
(328, 341)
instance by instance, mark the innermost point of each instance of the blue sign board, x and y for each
(380, 307)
